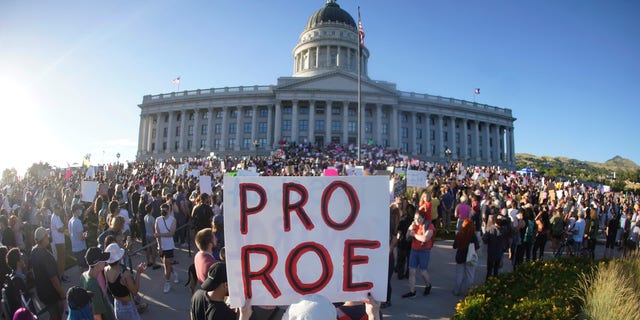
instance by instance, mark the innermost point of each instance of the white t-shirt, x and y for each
(163, 225)
(57, 237)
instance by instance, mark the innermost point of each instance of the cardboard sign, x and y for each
(205, 185)
(416, 178)
(89, 190)
(286, 237)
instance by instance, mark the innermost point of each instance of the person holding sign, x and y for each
(422, 233)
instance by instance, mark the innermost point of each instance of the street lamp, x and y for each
(447, 153)
(118, 157)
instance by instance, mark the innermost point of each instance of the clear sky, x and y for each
(73, 72)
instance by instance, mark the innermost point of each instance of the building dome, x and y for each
(331, 12)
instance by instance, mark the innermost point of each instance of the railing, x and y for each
(207, 92)
(452, 101)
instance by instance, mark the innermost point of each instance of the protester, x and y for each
(15, 286)
(422, 233)
(465, 272)
(121, 284)
(206, 243)
(58, 226)
(47, 278)
(165, 226)
(78, 235)
(91, 281)
(79, 301)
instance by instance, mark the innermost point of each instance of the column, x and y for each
(512, 147)
(378, 123)
(209, 137)
(475, 141)
(412, 132)
(345, 122)
(327, 127)
(328, 57)
(439, 138)
(157, 149)
(486, 155)
(254, 126)
(223, 132)
(394, 127)
(427, 135)
(270, 140)
(465, 143)
(238, 144)
(496, 144)
(150, 118)
(452, 138)
(170, 133)
(294, 121)
(312, 121)
(183, 123)
(277, 132)
(196, 131)
(141, 135)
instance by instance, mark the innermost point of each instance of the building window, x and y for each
(432, 135)
(384, 129)
(418, 119)
(190, 130)
(418, 133)
(234, 114)
(164, 146)
(263, 112)
(262, 127)
(304, 110)
(404, 147)
(189, 144)
(153, 146)
(166, 118)
(418, 148)
(457, 138)
(177, 131)
(335, 111)
(286, 125)
(179, 117)
(203, 144)
(247, 127)
(232, 128)
(445, 136)
(368, 112)
(404, 117)
(248, 113)
(319, 125)
(262, 142)
(205, 115)
(353, 112)
(165, 132)
(204, 130)
(153, 133)
(218, 128)
(303, 125)
(352, 126)
(404, 132)
(191, 115)
(246, 143)
(216, 144)
(219, 114)
(176, 145)
(368, 127)
(287, 110)
(385, 143)
(336, 126)
(232, 143)
(320, 110)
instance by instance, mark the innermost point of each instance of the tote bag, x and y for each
(472, 255)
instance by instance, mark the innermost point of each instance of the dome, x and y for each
(331, 12)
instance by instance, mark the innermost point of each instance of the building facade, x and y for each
(319, 104)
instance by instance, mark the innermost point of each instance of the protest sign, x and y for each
(89, 190)
(416, 178)
(290, 236)
(205, 185)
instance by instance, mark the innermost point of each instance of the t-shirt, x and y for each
(99, 303)
(579, 226)
(202, 261)
(75, 229)
(149, 225)
(57, 237)
(44, 268)
(204, 309)
(164, 226)
(202, 216)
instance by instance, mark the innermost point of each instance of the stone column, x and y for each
(394, 127)
(475, 153)
(158, 134)
(486, 150)
(378, 124)
(345, 122)
(294, 121)
(239, 116)
(412, 133)
(254, 126)
(427, 139)
(183, 123)
(439, 138)
(170, 133)
(496, 144)
(224, 130)
(512, 147)
(209, 137)
(452, 138)
(312, 121)
(270, 133)
(465, 142)
(196, 131)
(277, 132)
(327, 128)
(141, 135)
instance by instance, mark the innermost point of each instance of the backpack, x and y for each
(12, 295)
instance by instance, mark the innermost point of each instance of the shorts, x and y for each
(80, 260)
(168, 254)
(419, 258)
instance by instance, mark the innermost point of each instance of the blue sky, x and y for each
(73, 72)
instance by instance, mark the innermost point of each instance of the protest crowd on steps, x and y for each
(156, 206)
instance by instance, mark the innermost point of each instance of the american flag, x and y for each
(360, 29)
(476, 91)
(176, 80)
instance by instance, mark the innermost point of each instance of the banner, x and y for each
(89, 190)
(416, 178)
(290, 236)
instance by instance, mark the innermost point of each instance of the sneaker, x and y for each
(156, 267)
(167, 287)
(427, 290)
(175, 277)
(410, 295)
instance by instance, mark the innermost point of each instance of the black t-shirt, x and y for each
(202, 215)
(44, 268)
(204, 309)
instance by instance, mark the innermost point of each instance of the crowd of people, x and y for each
(150, 206)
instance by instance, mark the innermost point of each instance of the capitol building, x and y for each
(318, 104)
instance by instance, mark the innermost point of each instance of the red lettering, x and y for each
(352, 195)
(291, 268)
(245, 211)
(351, 259)
(263, 274)
(298, 207)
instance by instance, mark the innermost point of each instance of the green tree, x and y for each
(9, 175)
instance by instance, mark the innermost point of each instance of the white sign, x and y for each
(290, 236)
(205, 185)
(247, 173)
(89, 190)
(416, 178)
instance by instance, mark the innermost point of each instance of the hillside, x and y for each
(616, 163)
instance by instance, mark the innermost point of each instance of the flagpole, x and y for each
(359, 84)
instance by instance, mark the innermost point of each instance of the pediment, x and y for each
(334, 81)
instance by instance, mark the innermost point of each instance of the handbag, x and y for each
(472, 255)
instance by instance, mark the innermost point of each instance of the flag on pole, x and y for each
(360, 30)
(176, 80)
(475, 91)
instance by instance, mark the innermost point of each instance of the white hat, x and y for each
(115, 253)
(311, 307)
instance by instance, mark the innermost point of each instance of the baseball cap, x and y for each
(217, 274)
(78, 297)
(95, 255)
(40, 233)
(311, 307)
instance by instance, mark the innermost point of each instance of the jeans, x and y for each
(126, 310)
